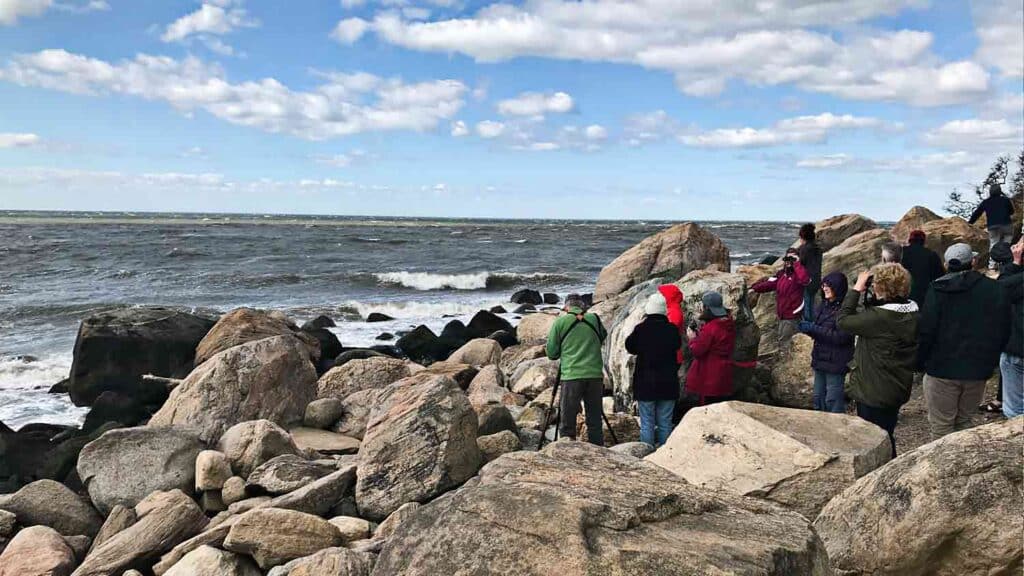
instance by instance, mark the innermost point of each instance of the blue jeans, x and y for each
(808, 311)
(656, 414)
(828, 392)
(1012, 370)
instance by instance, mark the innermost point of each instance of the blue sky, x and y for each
(780, 109)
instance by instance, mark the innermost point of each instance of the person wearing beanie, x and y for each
(964, 328)
(924, 266)
(833, 348)
(711, 347)
(998, 211)
(655, 341)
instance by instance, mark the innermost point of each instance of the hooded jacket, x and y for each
(833, 348)
(788, 286)
(710, 373)
(578, 347)
(997, 209)
(811, 259)
(883, 360)
(674, 303)
(1012, 280)
(964, 327)
(655, 342)
(924, 266)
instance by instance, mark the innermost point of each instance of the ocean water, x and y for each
(57, 268)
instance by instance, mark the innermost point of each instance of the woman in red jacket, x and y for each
(710, 373)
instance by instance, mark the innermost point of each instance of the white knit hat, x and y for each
(656, 305)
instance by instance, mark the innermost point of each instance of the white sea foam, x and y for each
(24, 393)
(429, 281)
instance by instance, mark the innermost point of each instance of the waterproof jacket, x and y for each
(964, 327)
(997, 210)
(655, 342)
(1013, 281)
(833, 348)
(811, 259)
(710, 373)
(788, 286)
(577, 345)
(924, 266)
(883, 361)
(674, 304)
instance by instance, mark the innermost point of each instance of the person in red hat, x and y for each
(924, 266)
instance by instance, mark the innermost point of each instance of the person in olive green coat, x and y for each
(886, 351)
(575, 338)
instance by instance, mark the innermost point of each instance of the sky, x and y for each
(611, 109)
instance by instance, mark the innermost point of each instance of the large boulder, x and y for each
(115, 348)
(942, 234)
(831, 232)
(37, 551)
(797, 458)
(165, 519)
(421, 345)
(857, 253)
(127, 464)
(52, 504)
(792, 383)
(485, 323)
(273, 536)
(914, 219)
(209, 561)
(763, 306)
(619, 364)
(951, 507)
(477, 352)
(247, 445)
(358, 375)
(669, 254)
(534, 376)
(329, 562)
(271, 378)
(513, 356)
(420, 442)
(574, 509)
(534, 328)
(488, 387)
(244, 325)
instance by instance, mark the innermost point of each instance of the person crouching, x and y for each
(833, 348)
(655, 342)
(710, 374)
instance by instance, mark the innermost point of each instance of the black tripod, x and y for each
(558, 420)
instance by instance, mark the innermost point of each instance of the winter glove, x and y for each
(805, 327)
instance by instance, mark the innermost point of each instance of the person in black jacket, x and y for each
(656, 343)
(833, 348)
(811, 258)
(998, 210)
(1011, 362)
(963, 330)
(924, 266)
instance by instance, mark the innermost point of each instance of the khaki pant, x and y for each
(787, 329)
(952, 404)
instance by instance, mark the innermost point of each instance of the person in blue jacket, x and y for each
(833, 348)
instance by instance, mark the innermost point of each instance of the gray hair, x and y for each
(892, 253)
(575, 301)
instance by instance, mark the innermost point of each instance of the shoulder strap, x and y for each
(579, 320)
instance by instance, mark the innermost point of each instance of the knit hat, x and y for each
(1001, 253)
(655, 305)
(917, 236)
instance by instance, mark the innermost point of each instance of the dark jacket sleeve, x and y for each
(1003, 320)
(830, 335)
(978, 212)
(852, 322)
(927, 327)
(633, 340)
(936, 267)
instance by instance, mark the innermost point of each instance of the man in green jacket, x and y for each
(575, 338)
(886, 352)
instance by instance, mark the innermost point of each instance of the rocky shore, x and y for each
(249, 445)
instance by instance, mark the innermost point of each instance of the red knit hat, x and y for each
(917, 236)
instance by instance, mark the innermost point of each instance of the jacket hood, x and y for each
(957, 281)
(673, 302)
(839, 284)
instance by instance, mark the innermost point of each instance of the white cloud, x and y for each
(90, 6)
(799, 130)
(342, 105)
(490, 129)
(18, 140)
(350, 30)
(213, 18)
(649, 127)
(459, 129)
(11, 10)
(596, 132)
(826, 161)
(536, 104)
(707, 44)
(975, 133)
(355, 156)
(998, 24)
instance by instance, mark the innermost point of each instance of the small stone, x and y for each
(212, 470)
(323, 413)
(249, 444)
(233, 490)
(634, 449)
(212, 502)
(351, 528)
(37, 551)
(273, 536)
(495, 445)
(286, 473)
(323, 441)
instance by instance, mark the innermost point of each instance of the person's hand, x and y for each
(862, 281)
(690, 334)
(805, 326)
(1018, 252)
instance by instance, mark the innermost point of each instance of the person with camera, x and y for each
(656, 343)
(575, 338)
(711, 347)
(883, 358)
(788, 285)
(964, 328)
(811, 258)
(833, 348)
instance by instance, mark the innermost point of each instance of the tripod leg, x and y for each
(609, 425)
(547, 414)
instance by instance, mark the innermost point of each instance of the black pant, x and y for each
(884, 418)
(588, 391)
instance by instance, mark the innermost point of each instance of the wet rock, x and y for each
(378, 317)
(550, 298)
(526, 296)
(319, 322)
(330, 348)
(484, 323)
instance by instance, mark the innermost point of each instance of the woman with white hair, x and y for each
(655, 342)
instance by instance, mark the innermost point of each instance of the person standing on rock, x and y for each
(1011, 362)
(811, 258)
(924, 266)
(656, 343)
(788, 285)
(884, 356)
(710, 374)
(575, 338)
(964, 328)
(998, 211)
(833, 348)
